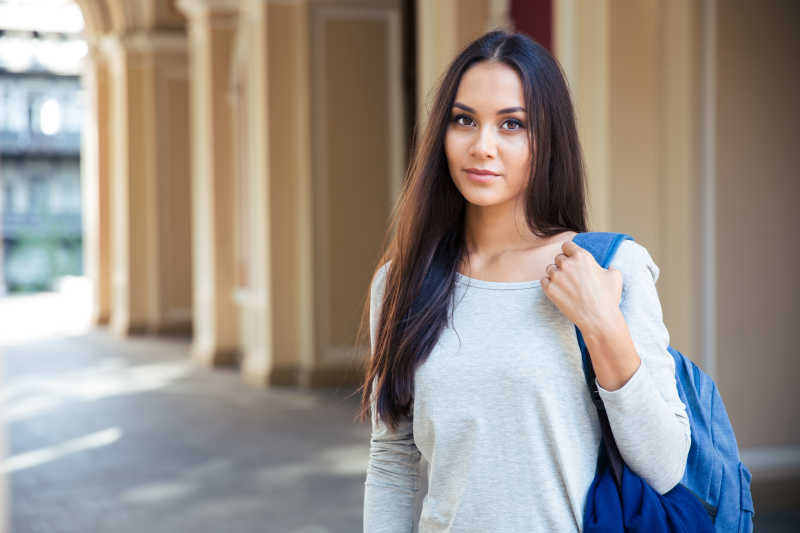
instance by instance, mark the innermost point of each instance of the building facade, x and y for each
(40, 200)
(242, 159)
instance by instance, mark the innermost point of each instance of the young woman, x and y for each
(481, 417)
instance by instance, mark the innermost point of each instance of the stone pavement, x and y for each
(105, 436)
(129, 436)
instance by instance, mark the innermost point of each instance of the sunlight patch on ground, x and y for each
(340, 460)
(157, 492)
(172, 489)
(51, 453)
(344, 460)
(34, 395)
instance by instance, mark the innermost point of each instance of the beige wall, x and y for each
(149, 194)
(757, 190)
(320, 153)
(357, 199)
(443, 28)
(652, 140)
(688, 116)
(635, 141)
(174, 230)
(165, 14)
(632, 71)
(359, 156)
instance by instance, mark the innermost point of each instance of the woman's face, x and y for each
(488, 131)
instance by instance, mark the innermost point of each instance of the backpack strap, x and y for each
(603, 246)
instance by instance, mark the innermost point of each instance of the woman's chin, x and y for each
(483, 195)
(484, 198)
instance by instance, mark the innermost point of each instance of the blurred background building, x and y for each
(41, 109)
(240, 160)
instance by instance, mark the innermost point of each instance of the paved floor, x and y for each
(110, 436)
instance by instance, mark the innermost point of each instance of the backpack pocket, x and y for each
(746, 503)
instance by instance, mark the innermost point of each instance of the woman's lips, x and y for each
(481, 177)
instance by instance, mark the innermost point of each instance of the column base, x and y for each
(101, 319)
(293, 375)
(333, 376)
(216, 356)
(171, 329)
(124, 328)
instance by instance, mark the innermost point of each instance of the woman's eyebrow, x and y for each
(501, 112)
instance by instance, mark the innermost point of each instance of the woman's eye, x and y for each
(519, 124)
(459, 117)
(464, 120)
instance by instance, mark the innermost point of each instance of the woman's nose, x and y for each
(485, 144)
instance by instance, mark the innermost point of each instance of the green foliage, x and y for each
(39, 256)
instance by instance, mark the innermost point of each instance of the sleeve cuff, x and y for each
(636, 385)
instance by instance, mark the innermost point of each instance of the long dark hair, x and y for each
(425, 239)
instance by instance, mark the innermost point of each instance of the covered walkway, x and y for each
(131, 435)
(108, 435)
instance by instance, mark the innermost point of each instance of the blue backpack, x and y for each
(714, 472)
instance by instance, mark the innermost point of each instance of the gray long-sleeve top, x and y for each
(503, 435)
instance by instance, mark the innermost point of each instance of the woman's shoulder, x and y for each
(633, 259)
(380, 274)
(378, 282)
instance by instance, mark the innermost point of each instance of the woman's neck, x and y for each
(491, 231)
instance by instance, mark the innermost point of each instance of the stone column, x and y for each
(290, 208)
(150, 189)
(95, 182)
(253, 229)
(212, 29)
(322, 135)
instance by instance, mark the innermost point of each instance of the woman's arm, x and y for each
(646, 415)
(393, 480)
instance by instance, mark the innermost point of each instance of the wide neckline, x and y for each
(463, 279)
(497, 285)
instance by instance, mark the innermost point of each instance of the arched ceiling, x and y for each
(121, 16)
(95, 17)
